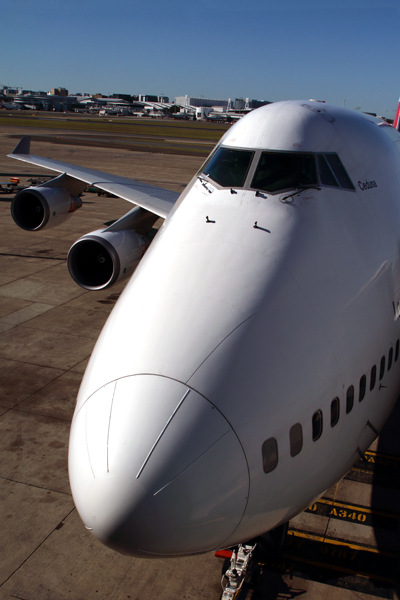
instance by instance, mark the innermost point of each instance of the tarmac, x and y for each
(344, 547)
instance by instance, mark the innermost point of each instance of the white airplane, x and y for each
(7, 105)
(254, 353)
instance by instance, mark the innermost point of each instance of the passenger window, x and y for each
(326, 175)
(317, 425)
(396, 354)
(335, 411)
(229, 167)
(296, 439)
(382, 368)
(270, 455)
(339, 171)
(373, 378)
(349, 399)
(363, 387)
(390, 359)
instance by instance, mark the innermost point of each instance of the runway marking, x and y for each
(326, 540)
(379, 469)
(285, 566)
(382, 459)
(354, 513)
(358, 508)
(344, 558)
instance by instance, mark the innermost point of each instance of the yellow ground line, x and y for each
(388, 456)
(327, 540)
(340, 569)
(361, 470)
(357, 508)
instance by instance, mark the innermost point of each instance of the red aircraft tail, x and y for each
(396, 122)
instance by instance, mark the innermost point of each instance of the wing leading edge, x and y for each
(154, 199)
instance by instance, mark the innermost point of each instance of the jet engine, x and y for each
(101, 258)
(38, 207)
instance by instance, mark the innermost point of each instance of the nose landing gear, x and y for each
(239, 569)
(236, 573)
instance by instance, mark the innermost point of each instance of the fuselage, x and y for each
(233, 383)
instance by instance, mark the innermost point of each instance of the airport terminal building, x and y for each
(237, 104)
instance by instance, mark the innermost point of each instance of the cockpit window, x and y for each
(325, 173)
(284, 170)
(339, 171)
(228, 167)
(276, 171)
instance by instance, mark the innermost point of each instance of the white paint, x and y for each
(265, 326)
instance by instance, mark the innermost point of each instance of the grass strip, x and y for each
(156, 130)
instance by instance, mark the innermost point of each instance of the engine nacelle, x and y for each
(101, 258)
(38, 207)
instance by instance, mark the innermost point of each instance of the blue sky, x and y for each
(328, 50)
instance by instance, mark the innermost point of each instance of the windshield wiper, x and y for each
(299, 190)
(204, 183)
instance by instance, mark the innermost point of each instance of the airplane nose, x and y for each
(155, 468)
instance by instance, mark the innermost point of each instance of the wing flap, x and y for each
(154, 199)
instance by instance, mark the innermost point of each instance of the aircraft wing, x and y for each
(154, 199)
